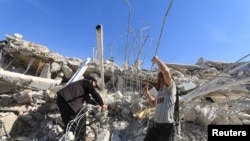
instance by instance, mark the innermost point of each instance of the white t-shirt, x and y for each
(165, 102)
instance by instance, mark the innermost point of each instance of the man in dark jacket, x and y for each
(70, 99)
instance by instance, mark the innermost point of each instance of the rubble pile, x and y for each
(30, 76)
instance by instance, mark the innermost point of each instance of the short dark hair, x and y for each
(91, 78)
(160, 74)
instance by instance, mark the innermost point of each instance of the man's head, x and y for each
(160, 80)
(93, 81)
(160, 74)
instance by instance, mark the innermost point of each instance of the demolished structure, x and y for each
(30, 75)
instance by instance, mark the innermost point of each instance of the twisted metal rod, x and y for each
(163, 24)
(162, 27)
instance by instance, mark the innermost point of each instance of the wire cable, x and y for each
(162, 28)
(163, 24)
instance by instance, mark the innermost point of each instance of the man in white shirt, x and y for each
(164, 102)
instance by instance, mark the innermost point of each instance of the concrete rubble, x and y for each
(31, 74)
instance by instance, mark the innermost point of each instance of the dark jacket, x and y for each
(77, 92)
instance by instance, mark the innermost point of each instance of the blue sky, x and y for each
(217, 30)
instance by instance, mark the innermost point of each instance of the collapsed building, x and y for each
(210, 92)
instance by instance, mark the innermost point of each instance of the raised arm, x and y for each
(163, 69)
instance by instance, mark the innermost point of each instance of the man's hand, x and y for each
(145, 90)
(104, 107)
(155, 59)
(150, 98)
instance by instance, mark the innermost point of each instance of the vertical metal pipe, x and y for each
(99, 34)
(93, 54)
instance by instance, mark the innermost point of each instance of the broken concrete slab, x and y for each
(27, 80)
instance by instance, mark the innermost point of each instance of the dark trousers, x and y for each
(68, 115)
(160, 132)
